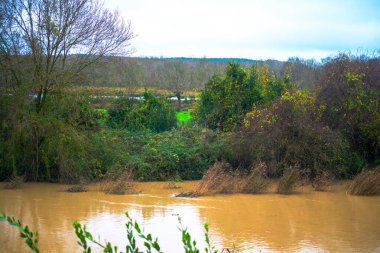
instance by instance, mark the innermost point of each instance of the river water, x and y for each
(304, 222)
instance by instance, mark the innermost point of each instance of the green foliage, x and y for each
(226, 99)
(183, 153)
(334, 129)
(49, 145)
(151, 113)
(31, 239)
(183, 118)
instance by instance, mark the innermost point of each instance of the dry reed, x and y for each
(218, 179)
(221, 179)
(366, 183)
(173, 185)
(119, 186)
(77, 188)
(288, 181)
(323, 182)
(15, 183)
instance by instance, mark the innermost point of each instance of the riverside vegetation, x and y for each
(253, 120)
(245, 118)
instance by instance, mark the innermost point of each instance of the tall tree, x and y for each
(45, 44)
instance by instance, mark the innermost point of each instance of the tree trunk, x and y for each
(178, 95)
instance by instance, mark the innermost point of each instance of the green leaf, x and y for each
(147, 245)
(156, 246)
(89, 235)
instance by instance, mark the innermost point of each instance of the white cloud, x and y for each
(251, 29)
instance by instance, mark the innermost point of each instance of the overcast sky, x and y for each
(255, 29)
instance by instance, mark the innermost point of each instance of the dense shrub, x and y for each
(183, 153)
(151, 113)
(227, 98)
(51, 145)
(350, 93)
(288, 133)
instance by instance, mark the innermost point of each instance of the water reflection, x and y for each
(308, 221)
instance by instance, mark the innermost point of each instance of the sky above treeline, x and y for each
(254, 29)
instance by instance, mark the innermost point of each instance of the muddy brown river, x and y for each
(308, 221)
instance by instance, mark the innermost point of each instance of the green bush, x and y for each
(151, 113)
(226, 99)
(183, 153)
(49, 145)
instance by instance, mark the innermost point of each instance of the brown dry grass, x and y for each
(221, 179)
(288, 181)
(119, 186)
(323, 182)
(15, 183)
(134, 91)
(77, 188)
(173, 185)
(366, 183)
(257, 181)
(218, 179)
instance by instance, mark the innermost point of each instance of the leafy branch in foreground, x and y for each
(133, 232)
(31, 239)
(132, 227)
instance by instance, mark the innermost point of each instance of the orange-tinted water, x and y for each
(304, 222)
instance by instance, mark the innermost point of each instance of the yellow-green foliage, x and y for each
(288, 132)
(301, 101)
(228, 98)
(350, 91)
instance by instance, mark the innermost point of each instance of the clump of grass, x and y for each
(288, 181)
(366, 183)
(118, 188)
(77, 188)
(257, 181)
(15, 183)
(121, 185)
(185, 195)
(218, 179)
(173, 185)
(323, 182)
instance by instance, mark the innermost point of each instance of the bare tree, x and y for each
(177, 78)
(45, 44)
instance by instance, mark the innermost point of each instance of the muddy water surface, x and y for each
(304, 222)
